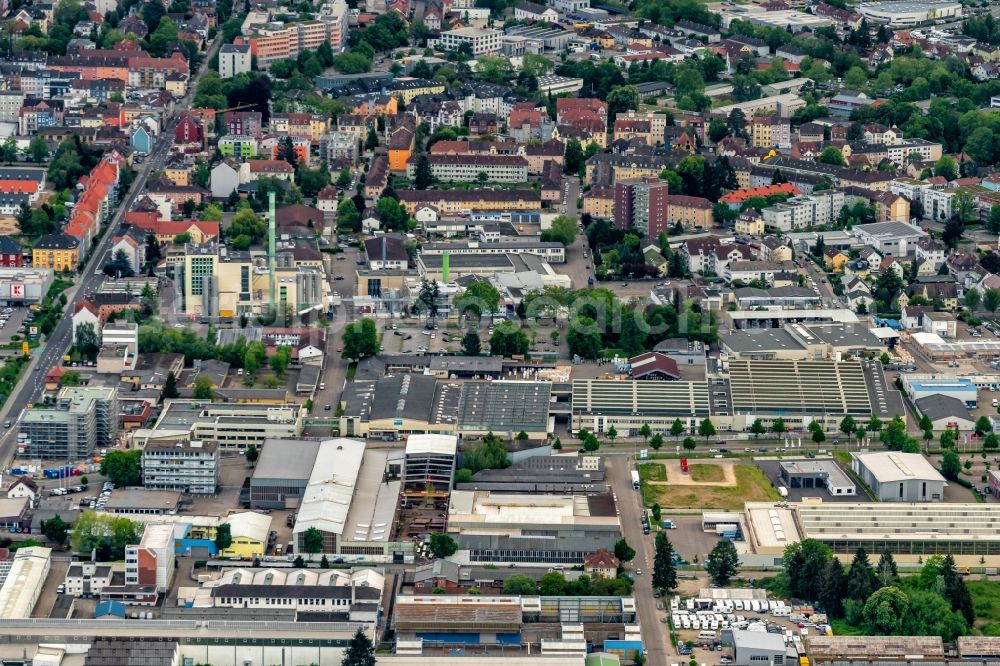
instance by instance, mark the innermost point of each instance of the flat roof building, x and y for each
(800, 391)
(505, 407)
(598, 404)
(543, 474)
(282, 473)
(531, 528)
(429, 463)
(231, 425)
(139, 500)
(751, 648)
(894, 476)
(812, 473)
(185, 466)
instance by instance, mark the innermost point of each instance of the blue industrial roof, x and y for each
(109, 608)
(955, 384)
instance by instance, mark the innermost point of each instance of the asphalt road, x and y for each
(629, 502)
(50, 354)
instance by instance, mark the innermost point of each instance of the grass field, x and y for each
(652, 472)
(986, 601)
(706, 473)
(751, 486)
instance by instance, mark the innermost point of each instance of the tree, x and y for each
(312, 541)
(848, 426)
(251, 453)
(645, 432)
(831, 155)
(983, 425)
(861, 578)
(573, 161)
(885, 612)
(371, 140)
(718, 130)
(360, 651)
(946, 167)
(886, 571)
(991, 299)
(972, 297)
(519, 585)
(479, 298)
(442, 545)
(722, 563)
(86, 340)
(392, 214)
(664, 570)
(677, 428)
(107, 534)
(123, 468)
(360, 339)
(757, 428)
(562, 230)
(508, 340)
(280, 359)
(956, 592)
(9, 150)
(834, 589)
(56, 529)
(612, 433)
(38, 152)
(552, 584)
(706, 428)
(584, 338)
(223, 537)
(874, 423)
(170, 391)
(489, 454)
(689, 444)
(423, 177)
(779, 427)
(623, 551)
(203, 388)
(471, 345)
(348, 216)
(951, 467)
(656, 441)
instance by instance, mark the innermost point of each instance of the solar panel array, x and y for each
(799, 387)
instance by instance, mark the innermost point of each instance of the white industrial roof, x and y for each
(437, 444)
(249, 524)
(331, 486)
(26, 577)
(889, 466)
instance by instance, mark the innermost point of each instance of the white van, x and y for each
(706, 635)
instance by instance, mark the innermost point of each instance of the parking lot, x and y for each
(11, 321)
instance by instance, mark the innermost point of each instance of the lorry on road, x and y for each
(635, 480)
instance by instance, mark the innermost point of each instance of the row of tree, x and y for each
(876, 599)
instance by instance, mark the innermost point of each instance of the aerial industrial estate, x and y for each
(427, 332)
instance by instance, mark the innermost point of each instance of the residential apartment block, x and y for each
(234, 59)
(805, 211)
(483, 41)
(641, 204)
(469, 168)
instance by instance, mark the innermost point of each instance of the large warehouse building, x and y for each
(600, 404)
(899, 477)
(551, 529)
(910, 12)
(910, 531)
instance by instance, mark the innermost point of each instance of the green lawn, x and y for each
(652, 472)
(706, 473)
(986, 601)
(751, 486)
